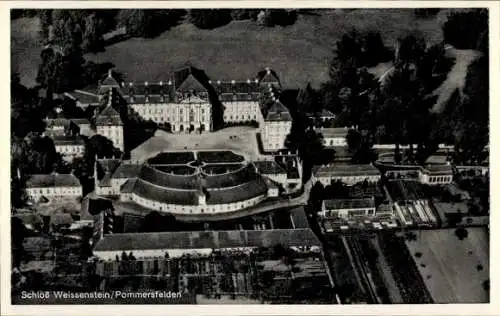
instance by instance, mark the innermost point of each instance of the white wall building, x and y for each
(277, 125)
(436, 174)
(334, 137)
(347, 173)
(69, 147)
(347, 208)
(53, 185)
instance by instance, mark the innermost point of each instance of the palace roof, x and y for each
(278, 112)
(268, 76)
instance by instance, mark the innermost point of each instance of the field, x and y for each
(453, 270)
(299, 53)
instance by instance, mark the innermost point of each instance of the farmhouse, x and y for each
(176, 244)
(334, 137)
(68, 146)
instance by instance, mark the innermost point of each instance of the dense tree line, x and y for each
(467, 29)
(397, 109)
(465, 121)
(209, 18)
(424, 13)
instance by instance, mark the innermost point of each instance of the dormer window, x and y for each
(147, 99)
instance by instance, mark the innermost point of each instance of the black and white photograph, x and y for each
(247, 156)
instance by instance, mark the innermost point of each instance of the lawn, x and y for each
(25, 49)
(299, 53)
(449, 266)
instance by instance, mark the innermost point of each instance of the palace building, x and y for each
(185, 99)
(186, 183)
(188, 102)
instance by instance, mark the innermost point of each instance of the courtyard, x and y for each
(241, 139)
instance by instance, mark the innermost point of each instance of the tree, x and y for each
(45, 16)
(17, 237)
(354, 140)
(349, 50)
(307, 100)
(272, 17)
(148, 23)
(411, 48)
(244, 14)
(464, 29)
(209, 18)
(425, 13)
(461, 233)
(374, 50)
(100, 146)
(61, 70)
(93, 35)
(316, 196)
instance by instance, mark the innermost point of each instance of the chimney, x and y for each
(218, 81)
(161, 83)
(130, 84)
(233, 82)
(146, 83)
(123, 84)
(248, 81)
(210, 81)
(170, 82)
(18, 173)
(110, 73)
(256, 80)
(268, 70)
